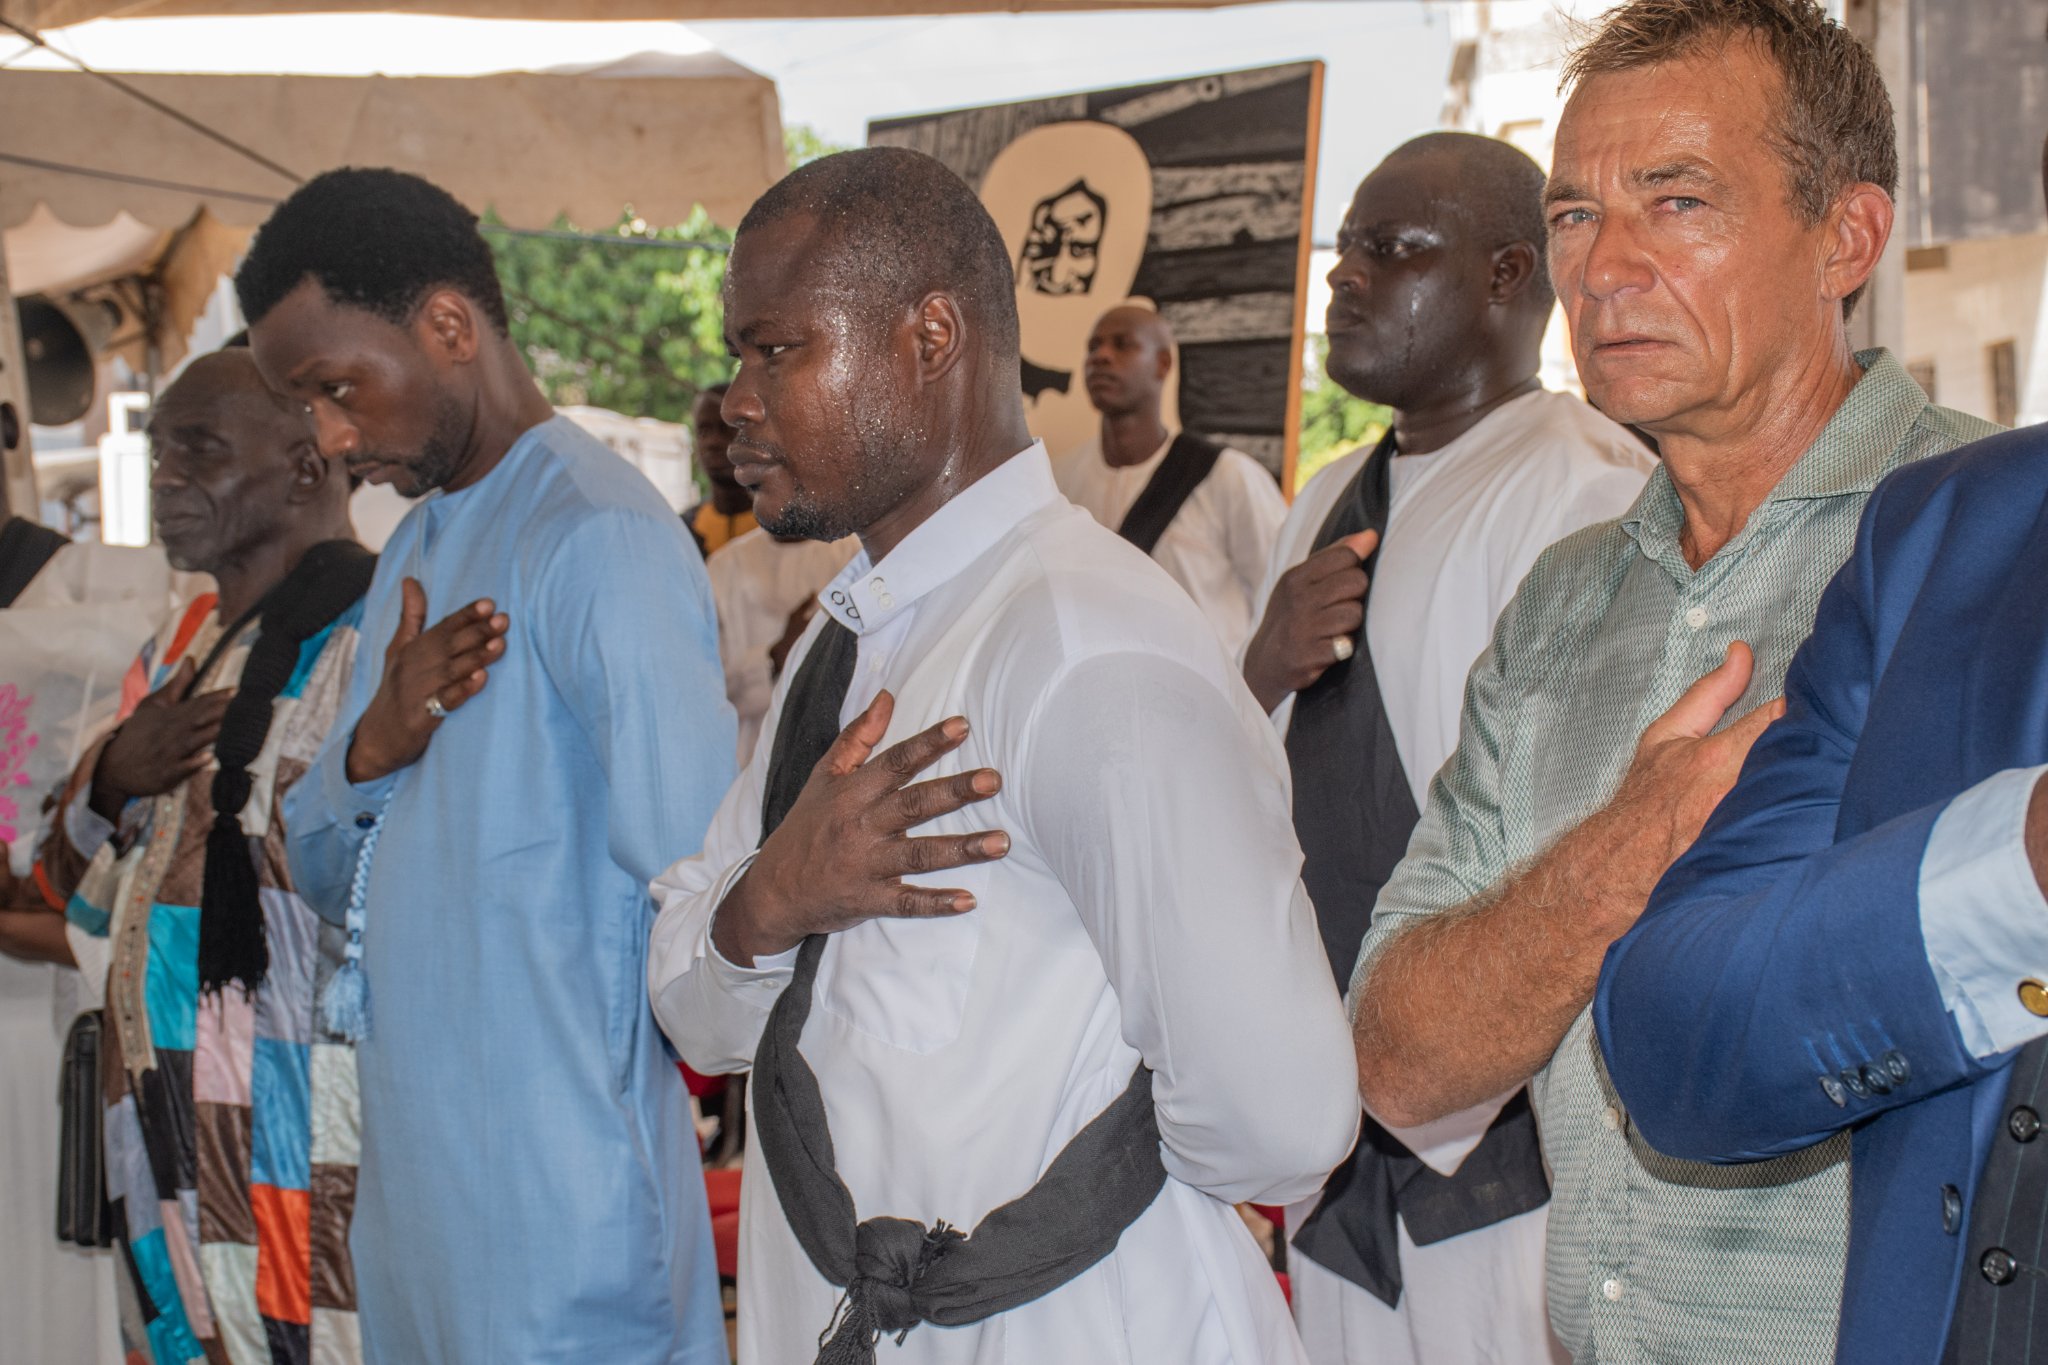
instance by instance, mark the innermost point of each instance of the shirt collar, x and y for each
(866, 596)
(1853, 451)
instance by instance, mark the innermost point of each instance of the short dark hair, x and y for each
(1502, 190)
(379, 240)
(909, 226)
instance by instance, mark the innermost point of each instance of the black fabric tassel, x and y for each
(232, 946)
(852, 1338)
(327, 580)
(873, 1305)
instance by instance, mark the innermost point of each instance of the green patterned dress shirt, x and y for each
(1654, 1261)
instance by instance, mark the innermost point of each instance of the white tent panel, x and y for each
(660, 131)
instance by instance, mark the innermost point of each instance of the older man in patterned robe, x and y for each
(231, 1114)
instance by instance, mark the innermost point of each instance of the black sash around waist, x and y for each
(1353, 812)
(897, 1272)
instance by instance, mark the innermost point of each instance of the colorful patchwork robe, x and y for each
(231, 1122)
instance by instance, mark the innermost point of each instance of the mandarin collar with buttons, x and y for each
(867, 596)
(1852, 453)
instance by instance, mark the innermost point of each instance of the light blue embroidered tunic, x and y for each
(530, 1189)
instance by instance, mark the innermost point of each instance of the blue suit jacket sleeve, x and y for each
(1773, 954)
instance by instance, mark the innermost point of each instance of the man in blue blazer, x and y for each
(1859, 939)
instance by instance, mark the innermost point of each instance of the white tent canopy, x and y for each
(660, 131)
(99, 190)
(54, 13)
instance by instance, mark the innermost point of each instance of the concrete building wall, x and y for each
(1963, 302)
(1970, 308)
(1503, 83)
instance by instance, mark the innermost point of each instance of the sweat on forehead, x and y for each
(1493, 184)
(888, 226)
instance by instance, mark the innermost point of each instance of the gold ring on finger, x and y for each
(1342, 647)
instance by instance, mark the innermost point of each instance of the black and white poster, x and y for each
(1191, 196)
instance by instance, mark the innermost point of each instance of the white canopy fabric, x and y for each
(54, 13)
(99, 189)
(660, 131)
(162, 278)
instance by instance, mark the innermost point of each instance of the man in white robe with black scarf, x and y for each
(1005, 912)
(1427, 1248)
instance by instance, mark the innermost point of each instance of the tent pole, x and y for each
(18, 486)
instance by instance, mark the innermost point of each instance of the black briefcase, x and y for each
(84, 1217)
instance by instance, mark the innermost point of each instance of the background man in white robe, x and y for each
(1218, 541)
(984, 993)
(1439, 300)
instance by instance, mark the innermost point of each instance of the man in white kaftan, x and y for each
(1140, 904)
(1212, 533)
(1481, 471)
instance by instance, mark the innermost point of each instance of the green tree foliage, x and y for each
(620, 324)
(629, 327)
(637, 328)
(804, 145)
(1333, 423)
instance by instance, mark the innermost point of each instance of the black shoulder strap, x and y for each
(24, 548)
(1188, 461)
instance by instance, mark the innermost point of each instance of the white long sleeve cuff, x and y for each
(1982, 914)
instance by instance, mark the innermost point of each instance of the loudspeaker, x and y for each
(60, 339)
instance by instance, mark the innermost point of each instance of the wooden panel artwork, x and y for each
(1222, 169)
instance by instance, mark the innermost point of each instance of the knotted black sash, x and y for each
(328, 579)
(1188, 461)
(897, 1272)
(1353, 812)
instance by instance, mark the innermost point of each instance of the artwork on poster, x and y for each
(1074, 202)
(1191, 196)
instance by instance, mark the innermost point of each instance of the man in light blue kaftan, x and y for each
(530, 1183)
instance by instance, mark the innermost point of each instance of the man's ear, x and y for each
(1514, 265)
(940, 335)
(312, 472)
(449, 326)
(1858, 229)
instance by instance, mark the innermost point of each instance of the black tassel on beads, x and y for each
(232, 947)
